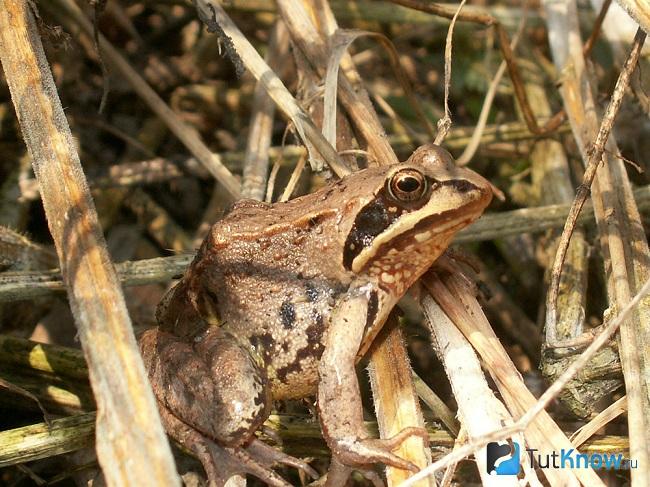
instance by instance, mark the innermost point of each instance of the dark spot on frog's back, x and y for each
(311, 292)
(313, 350)
(287, 314)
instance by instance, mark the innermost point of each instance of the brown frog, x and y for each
(282, 300)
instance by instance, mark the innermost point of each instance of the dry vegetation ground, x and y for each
(186, 128)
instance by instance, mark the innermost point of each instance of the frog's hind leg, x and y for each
(213, 396)
(220, 462)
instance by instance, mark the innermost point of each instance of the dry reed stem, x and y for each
(217, 20)
(396, 403)
(359, 109)
(623, 240)
(639, 10)
(607, 415)
(479, 411)
(131, 444)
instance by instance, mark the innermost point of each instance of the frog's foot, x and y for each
(357, 454)
(222, 462)
(338, 475)
(269, 456)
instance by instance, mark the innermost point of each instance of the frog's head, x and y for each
(413, 213)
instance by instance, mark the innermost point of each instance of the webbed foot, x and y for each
(349, 455)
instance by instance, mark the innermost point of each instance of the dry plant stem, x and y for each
(445, 122)
(41, 440)
(256, 160)
(293, 180)
(623, 241)
(597, 27)
(639, 10)
(300, 436)
(479, 411)
(436, 405)
(340, 41)
(354, 99)
(390, 13)
(607, 415)
(506, 50)
(25, 285)
(131, 445)
(50, 359)
(11, 387)
(454, 296)
(215, 16)
(552, 180)
(67, 12)
(18, 252)
(59, 395)
(534, 219)
(592, 165)
(395, 401)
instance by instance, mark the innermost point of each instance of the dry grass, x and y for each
(204, 105)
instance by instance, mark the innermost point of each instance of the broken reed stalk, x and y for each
(131, 444)
(479, 411)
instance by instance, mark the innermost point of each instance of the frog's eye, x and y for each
(407, 185)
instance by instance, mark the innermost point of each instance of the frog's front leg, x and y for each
(339, 399)
(212, 396)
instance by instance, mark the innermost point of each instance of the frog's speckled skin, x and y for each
(281, 298)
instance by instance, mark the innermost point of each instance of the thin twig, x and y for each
(445, 122)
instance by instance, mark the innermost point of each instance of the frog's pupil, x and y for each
(408, 184)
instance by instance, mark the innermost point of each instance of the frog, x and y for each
(281, 302)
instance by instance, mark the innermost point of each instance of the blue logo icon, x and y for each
(502, 458)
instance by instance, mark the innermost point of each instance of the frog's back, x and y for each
(275, 286)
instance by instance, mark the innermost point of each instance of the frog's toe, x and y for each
(238, 461)
(270, 456)
(338, 475)
(359, 454)
(355, 452)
